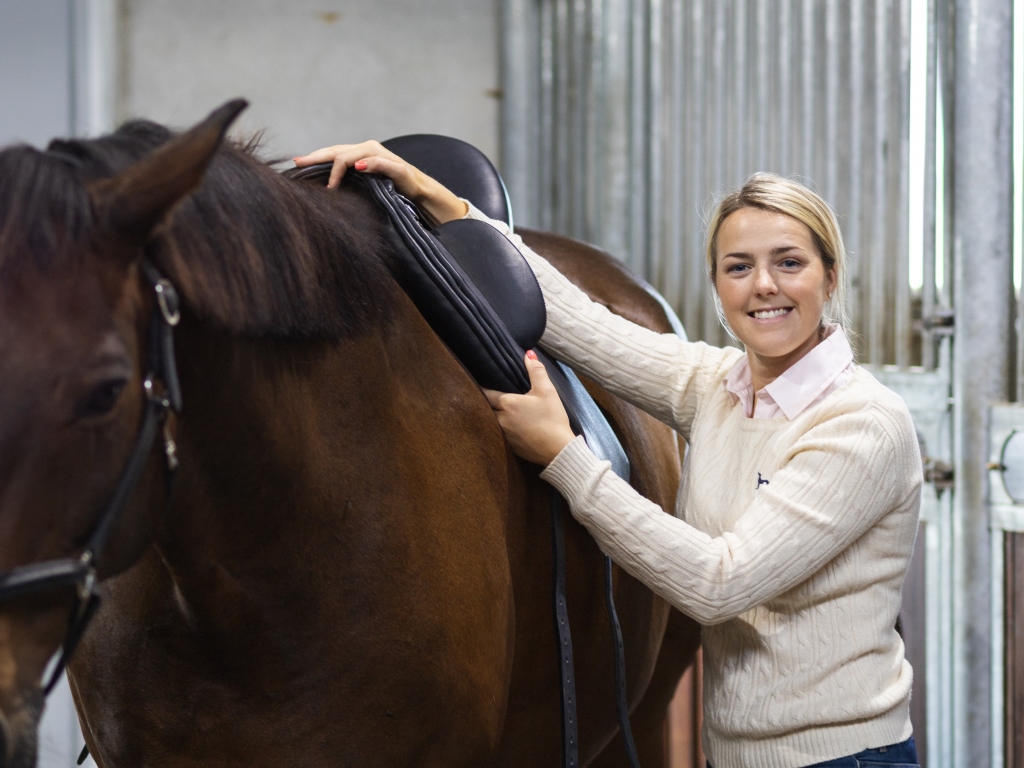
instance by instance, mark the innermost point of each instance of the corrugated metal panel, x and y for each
(649, 110)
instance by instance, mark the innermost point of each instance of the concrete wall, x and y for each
(317, 72)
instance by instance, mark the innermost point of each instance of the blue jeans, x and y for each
(902, 755)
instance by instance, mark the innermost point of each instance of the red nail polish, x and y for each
(531, 354)
(360, 165)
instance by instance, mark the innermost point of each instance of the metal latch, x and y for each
(940, 322)
(939, 473)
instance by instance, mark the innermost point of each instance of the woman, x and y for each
(798, 509)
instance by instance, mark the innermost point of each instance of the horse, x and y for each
(351, 567)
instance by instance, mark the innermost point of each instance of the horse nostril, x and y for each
(4, 741)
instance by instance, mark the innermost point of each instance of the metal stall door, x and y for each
(623, 120)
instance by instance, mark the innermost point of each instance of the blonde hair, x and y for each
(770, 192)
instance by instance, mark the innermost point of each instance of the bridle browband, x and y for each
(162, 392)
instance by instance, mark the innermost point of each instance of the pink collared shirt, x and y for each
(810, 379)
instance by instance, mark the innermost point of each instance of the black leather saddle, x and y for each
(471, 284)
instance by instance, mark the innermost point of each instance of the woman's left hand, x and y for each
(428, 194)
(535, 424)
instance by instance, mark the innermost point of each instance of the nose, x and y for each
(764, 282)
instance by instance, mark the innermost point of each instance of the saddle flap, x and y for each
(500, 273)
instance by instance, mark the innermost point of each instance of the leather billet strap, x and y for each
(162, 394)
(587, 419)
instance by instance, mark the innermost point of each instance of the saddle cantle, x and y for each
(460, 166)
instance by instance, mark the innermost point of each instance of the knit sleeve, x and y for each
(659, 373)
(837, 481)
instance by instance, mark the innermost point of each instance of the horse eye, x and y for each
(102, 399)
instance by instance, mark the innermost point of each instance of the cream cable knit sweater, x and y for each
(796, 580)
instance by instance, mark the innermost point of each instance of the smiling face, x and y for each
(773, 287)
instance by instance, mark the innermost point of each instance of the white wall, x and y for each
(35, 70)
(317, 72)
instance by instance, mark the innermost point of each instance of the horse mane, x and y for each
(251, 251)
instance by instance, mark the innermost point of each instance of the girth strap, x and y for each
(600, 438)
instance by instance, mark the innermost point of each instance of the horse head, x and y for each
(75, 312)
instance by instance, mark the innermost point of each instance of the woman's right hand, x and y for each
(429, 195)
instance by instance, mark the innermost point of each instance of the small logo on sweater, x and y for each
(760, 482)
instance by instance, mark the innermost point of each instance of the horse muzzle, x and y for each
(19, 737)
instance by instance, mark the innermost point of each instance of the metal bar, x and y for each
(901, 110)
(520, 93)
(875, 314)
(94, 75)
(698, 301)
(762, 63)
(831, 117)
(982, 235)
(716, 119)
(808, 99)
(856, 183)
(947, 89)
(546, 118)
(594, 124)
(739, 107)
(615, 118)
(562, 109)
(785, 56)
(674, 211)
(655, 137)
(577, 138)
(638, 130)
(928, 295)
(997, 673)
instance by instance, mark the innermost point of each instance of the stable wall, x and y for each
(316, 72)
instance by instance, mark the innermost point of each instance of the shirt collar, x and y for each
(801, 383)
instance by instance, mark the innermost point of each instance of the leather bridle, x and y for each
(162, 392)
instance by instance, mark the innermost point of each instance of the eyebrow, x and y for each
(774, 252)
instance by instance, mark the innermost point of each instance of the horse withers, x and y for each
(352, 569)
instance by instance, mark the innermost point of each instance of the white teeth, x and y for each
(766, 313)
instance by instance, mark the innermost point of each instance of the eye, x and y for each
(101, 399)
(736, 269)
(790, 263)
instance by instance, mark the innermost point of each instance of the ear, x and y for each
(135, 201)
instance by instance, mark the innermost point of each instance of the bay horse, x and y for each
(352, 569)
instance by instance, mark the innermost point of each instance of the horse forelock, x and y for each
(44, 209)
(250, 251)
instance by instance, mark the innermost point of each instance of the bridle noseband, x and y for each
(162, 392)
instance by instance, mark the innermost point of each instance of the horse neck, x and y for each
(279, 440)
(281, 437)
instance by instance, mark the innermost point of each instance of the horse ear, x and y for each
(138, 199)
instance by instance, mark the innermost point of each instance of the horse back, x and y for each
(601, 276)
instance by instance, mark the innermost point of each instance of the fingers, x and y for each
(493, 397)
(538, 374)
(345, 156)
